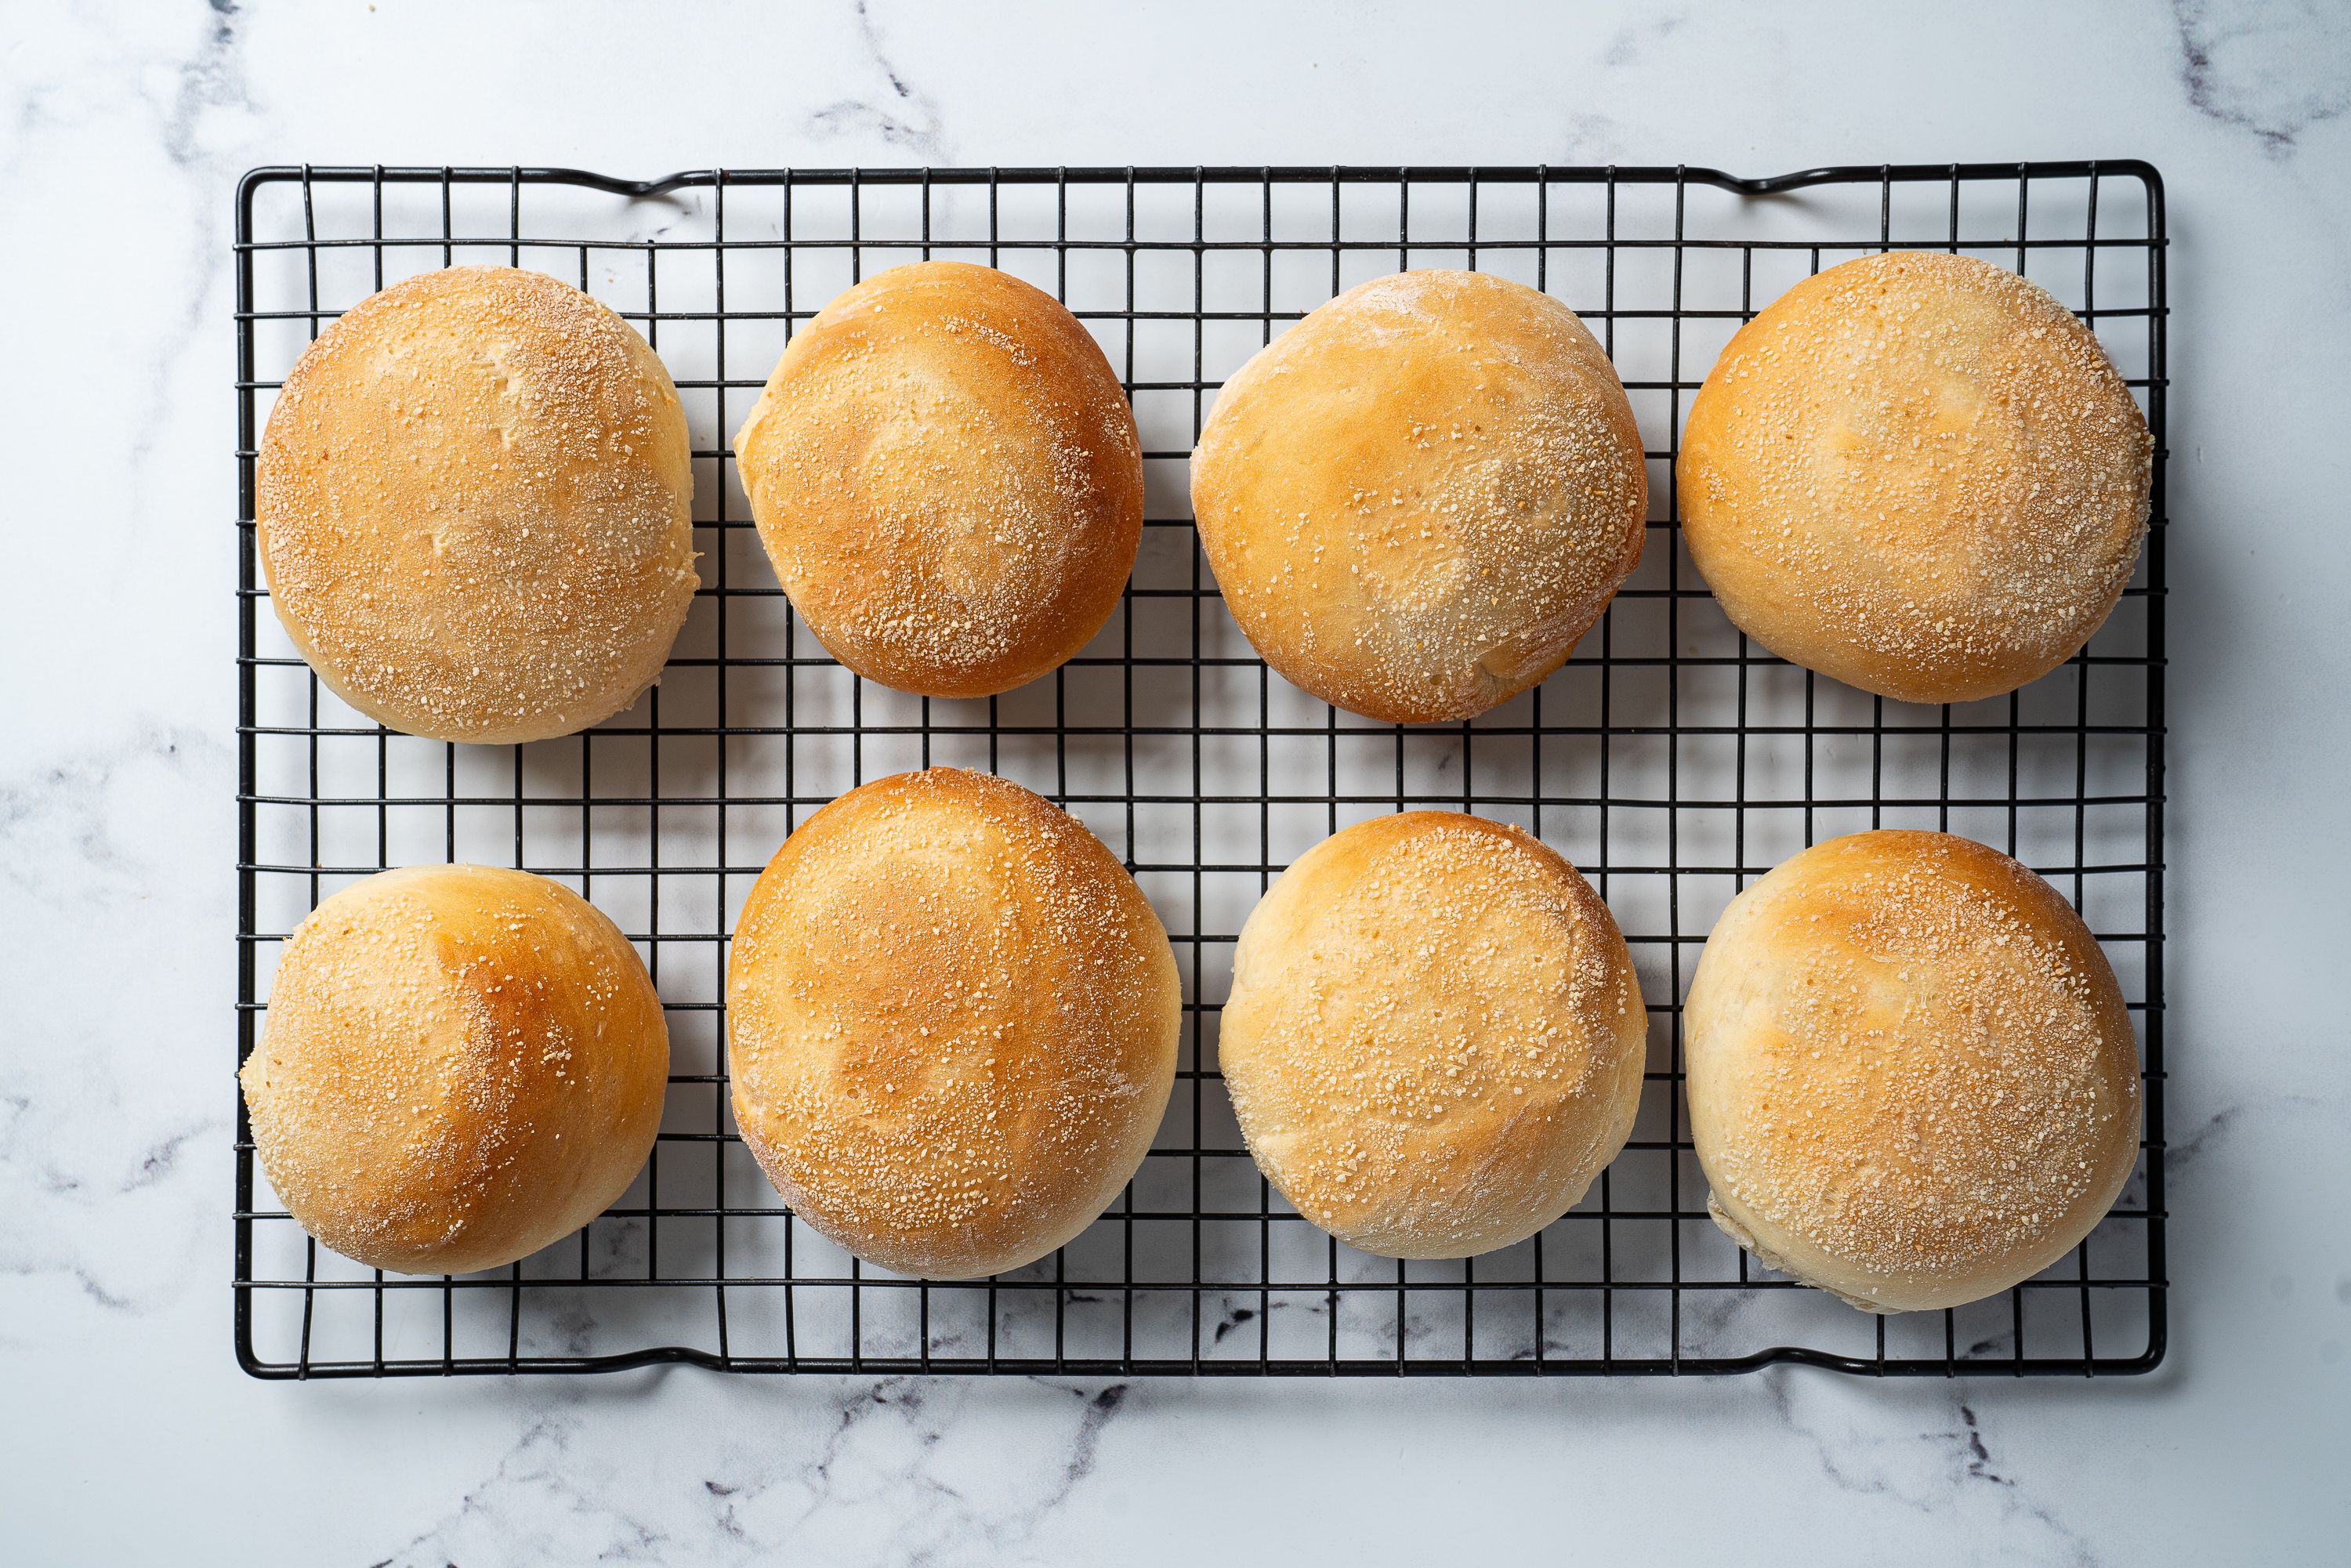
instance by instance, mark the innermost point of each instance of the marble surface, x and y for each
(131, 1435)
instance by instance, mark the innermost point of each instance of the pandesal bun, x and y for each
(460, 1065)
(952, 1024)
(1912, 1078)
(1418, 498)
(947, 479)
(1918, 474)
(474, 508)
(1435, 1038)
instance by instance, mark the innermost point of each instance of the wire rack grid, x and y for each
(1671, 760)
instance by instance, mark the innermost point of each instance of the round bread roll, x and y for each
(1918, 474)
(461, 1064)
(475, 506)
(947, 477)
(952, 1024)
(1435, 1038)
(1912, 1081)
(1418, 498)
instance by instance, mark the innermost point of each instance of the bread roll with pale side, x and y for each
(1421, 496)
(1912, 1078)
(474, 502)
(1435, 1039)
(947, 479)
(952, 1024)
(460, 1065)
(1918, 474)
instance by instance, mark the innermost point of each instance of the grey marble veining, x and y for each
(2272, 69)
(121, 136)
(104, 1117)
(896, 116)
(894, 1470)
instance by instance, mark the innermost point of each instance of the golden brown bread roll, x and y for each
(1435, 1039)
(1418, 498)
(460, 1065)
(946, 475)
(952, 1024)
(1919, 474)
(475, 500)
(1912, 1079)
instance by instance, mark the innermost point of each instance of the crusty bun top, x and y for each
(952, 1024)
(474, 508)
(1912, 1078)
(1919, 474)
(460, 1065)
(1435, 1039)
(947, 477)
(1418, 498)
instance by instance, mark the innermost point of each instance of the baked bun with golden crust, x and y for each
(947, 479)
(1912, 1078)
(460, 1065)
(1435, 1039)
(1918, 474)
(1418, 498)
(474, 508)
(952, 1023)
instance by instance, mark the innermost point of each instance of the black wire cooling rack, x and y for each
(1671, 760)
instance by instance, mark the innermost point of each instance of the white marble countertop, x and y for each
(131, 1436)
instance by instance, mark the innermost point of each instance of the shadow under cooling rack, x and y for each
(1671, 760)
